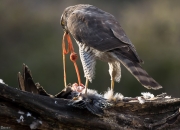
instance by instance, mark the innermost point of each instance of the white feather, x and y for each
(141, 100)
(1, 81)
(109, 95)
(147, 95)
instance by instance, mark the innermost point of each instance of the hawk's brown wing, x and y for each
(100, 30)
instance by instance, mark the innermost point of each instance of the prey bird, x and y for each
(100, 36)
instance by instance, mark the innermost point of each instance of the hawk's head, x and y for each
(64, 18)
(68, 12)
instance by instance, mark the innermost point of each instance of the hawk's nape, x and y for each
(100, 36)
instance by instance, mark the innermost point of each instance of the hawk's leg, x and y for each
(112, 83)
(86, 84)
(115, 73)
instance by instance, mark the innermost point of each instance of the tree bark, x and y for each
(32, 107)
(24, 110)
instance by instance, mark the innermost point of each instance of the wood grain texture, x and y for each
(54, 113)
(31, 107)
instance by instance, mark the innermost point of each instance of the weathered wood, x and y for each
(54, 113)
(34, 108)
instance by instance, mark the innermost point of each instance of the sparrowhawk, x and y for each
(100, 36)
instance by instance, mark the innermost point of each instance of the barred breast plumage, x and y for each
(88, 56)
(88, 61)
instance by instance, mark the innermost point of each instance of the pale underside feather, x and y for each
(88, 62)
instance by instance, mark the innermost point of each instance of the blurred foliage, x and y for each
(30, 33)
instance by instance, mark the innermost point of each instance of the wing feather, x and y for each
(98, 29)
(92, 28)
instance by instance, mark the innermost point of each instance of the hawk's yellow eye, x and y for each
(62, 22)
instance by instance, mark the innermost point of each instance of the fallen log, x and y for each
(36, 109)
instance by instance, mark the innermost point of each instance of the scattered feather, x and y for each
(147, 95)
(40, 122)
(21, 119)
(91, 92)
(34, 125)
(162, 95)
(1, 81)
(141, 100)
(21, 112)
(118, 96)
(28, 114)
(109, 95)
(18, 120)
(167, 97)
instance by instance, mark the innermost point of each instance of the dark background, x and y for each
(30, 33)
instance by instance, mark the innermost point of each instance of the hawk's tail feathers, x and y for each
(139, 73)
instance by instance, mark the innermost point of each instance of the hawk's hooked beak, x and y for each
(73, 56)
